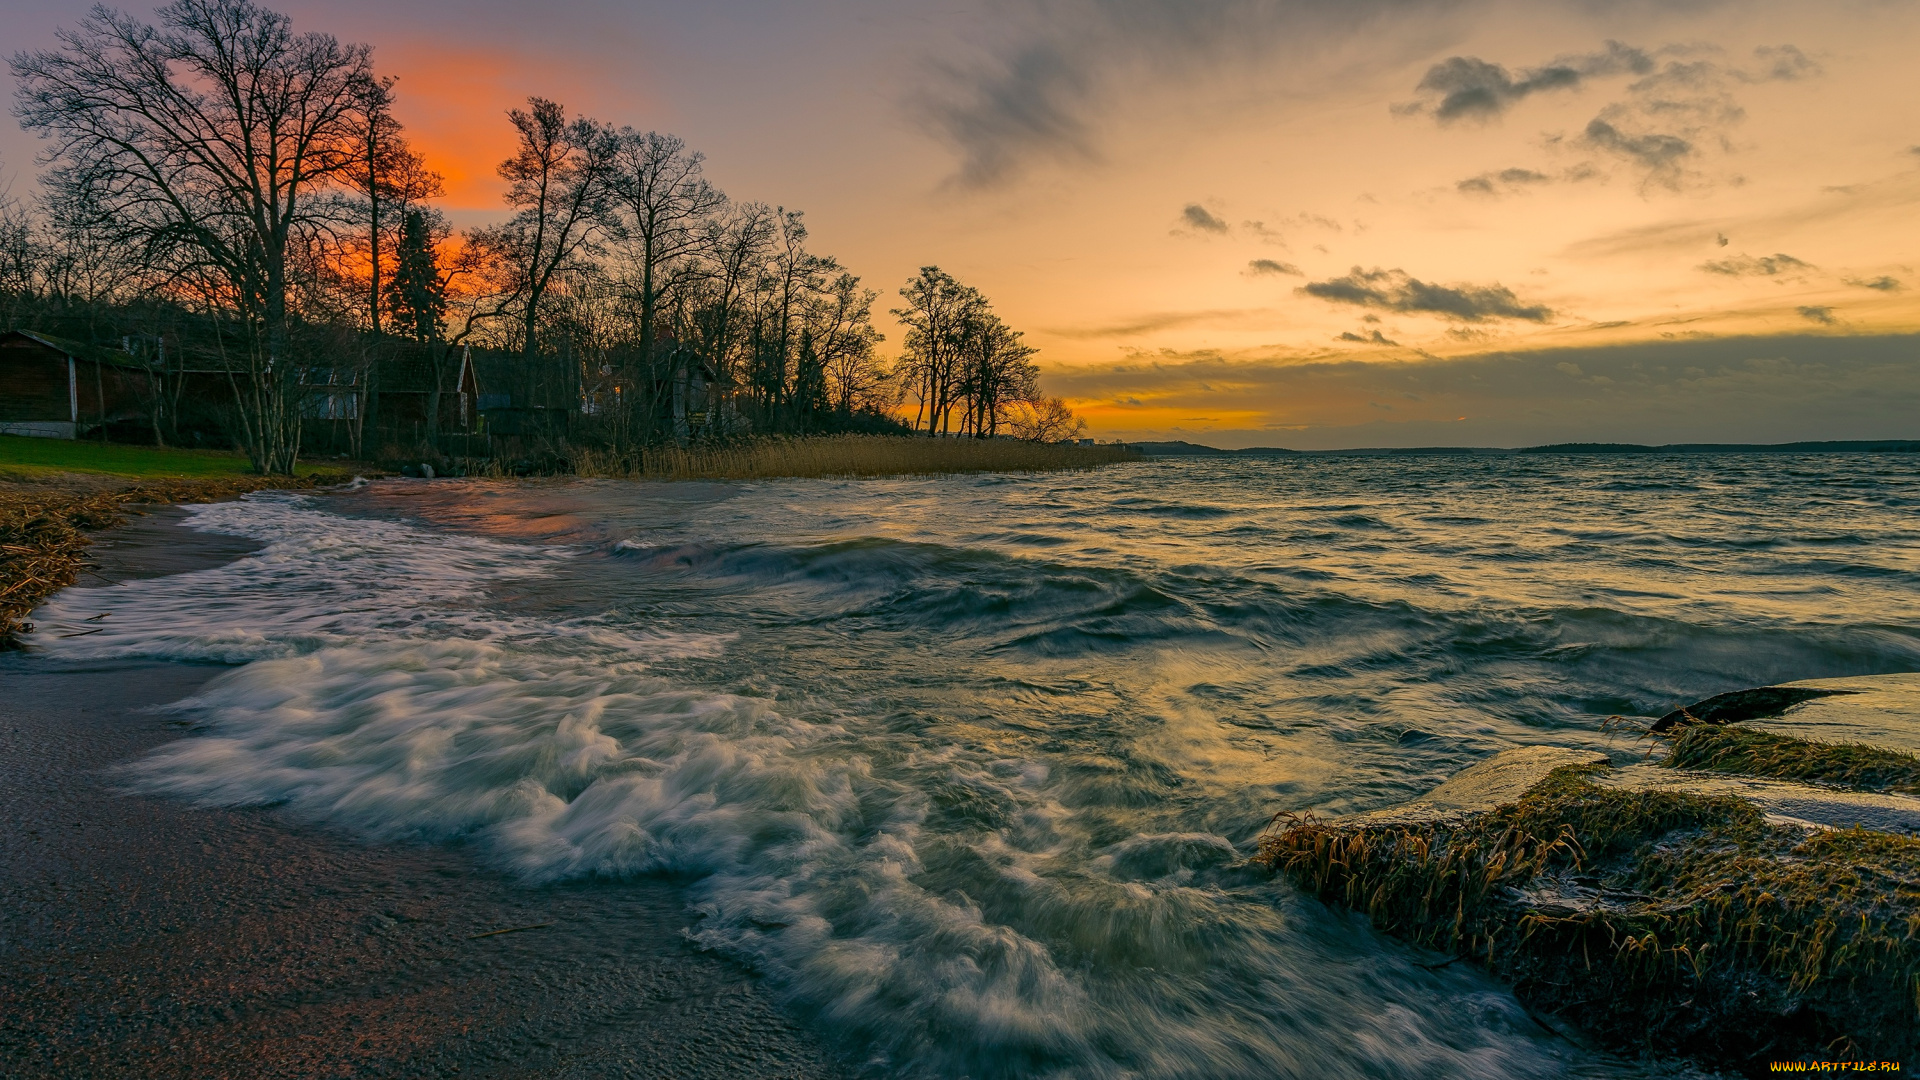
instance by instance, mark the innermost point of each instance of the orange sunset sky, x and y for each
(1310, 224)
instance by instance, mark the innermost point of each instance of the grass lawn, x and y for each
(24, 457)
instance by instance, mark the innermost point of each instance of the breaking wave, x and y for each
(968, 767)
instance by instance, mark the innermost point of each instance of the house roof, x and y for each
(411, 371)
(77, 351)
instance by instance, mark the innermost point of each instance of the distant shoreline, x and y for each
(1856, 446)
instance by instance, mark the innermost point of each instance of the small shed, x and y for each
(691, 388)
(59, 389)
(406, 384)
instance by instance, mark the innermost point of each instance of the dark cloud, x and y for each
(1815, 385)
(1372, 337)
(1661, 155)
(1031, 104)
(1469, 88)
(1395, 290)
(1781, 63)
(1033, 83)
(1671, 117)
(1816, 313)
(1749, 266)
(1274, 266)
(1883, 283)
(1195, 216)
(1679, 103)
(1489, 183)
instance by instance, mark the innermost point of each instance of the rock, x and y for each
(1741, 705)
(1782, 801)
(1879, 710)
(1500, 779)
(1734, 919)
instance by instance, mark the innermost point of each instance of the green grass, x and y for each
(30, 458)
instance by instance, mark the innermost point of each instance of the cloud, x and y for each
(1678, 105)
(1195, 216)
(1395, 290)
(1816, 313)
(1030, 104)
(1659, 154)
(1034, 83)
(1883, 283)
(1165, 320)
(1781, 63)
(1374, 337)
(1814, 385)
(1749, 266)
(1273, 266)
(1469, 88)
(1488, 183)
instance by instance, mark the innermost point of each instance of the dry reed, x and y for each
(844, 455)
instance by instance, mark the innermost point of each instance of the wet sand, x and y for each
(144, 937)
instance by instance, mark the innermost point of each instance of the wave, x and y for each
(968, 766)
(953, 904)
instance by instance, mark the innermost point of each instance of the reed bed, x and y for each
(44, 530)
(1665, 922)
(844, 455)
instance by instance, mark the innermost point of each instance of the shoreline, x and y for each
(144, 936)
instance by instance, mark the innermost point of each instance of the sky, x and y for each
(1314, 224)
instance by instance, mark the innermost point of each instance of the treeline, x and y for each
(219, 181)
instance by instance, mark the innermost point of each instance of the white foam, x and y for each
(386, 698)
(321, 580)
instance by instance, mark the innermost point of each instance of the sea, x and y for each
(968, 768)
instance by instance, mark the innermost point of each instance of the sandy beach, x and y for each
(144, 937)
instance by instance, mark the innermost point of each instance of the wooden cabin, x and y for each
(54, 388)
(405, 385)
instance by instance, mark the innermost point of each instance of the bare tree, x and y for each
(840, 326)
(389, 177)
(738, 246)
(205, 140)
(664, 203)
(1044, 420)
(557, 181)
(936, 314)
(996, 371)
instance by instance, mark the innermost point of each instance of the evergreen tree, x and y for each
(418, 298)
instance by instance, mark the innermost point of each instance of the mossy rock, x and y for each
(1880, 710)
(1654, 918)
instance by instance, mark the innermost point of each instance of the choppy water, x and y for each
(965, 764)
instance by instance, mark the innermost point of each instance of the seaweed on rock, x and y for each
(1753, 752)
(1660, 921)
